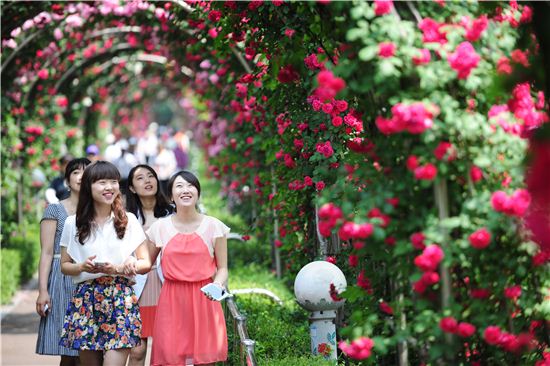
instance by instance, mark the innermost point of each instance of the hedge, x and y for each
(11, 274)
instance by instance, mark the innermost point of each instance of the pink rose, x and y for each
(492, 334)
(465, 330)
(359, 349)
(512, 292)
(417, 240)
(476, 174)
(412, 162)
(464, 59)
(386, 49)
(425, 172)
(382, 7)
(480, 239)
(448, 324)
(423, 59)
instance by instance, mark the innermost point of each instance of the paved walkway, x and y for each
(19, 331)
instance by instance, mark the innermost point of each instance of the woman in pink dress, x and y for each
(189, 327)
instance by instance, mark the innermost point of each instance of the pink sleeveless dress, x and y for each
(189, 328)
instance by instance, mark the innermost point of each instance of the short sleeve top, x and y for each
(103, 243)
(57, 212)
(210, 228)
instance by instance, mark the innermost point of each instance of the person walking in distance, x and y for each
(58, 190)
(102, 320)
(54, 288)
(146, 200)
(189, 327)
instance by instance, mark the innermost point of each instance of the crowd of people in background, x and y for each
(121, 237)
(165, 152)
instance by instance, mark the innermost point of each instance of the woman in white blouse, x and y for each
(102, 319)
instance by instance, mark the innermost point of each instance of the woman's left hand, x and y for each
(130, 266)
(108, 268)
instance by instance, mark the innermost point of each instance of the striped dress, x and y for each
(60, 288)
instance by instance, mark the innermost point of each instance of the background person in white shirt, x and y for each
(102, 319)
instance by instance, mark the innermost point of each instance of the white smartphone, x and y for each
(46, 308)
(217, 292)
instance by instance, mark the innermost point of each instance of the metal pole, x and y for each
(442, 202)
(278, 269)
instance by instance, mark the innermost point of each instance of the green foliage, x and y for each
(28, 247)
(11, 274)
(280, 332)
(298, 361)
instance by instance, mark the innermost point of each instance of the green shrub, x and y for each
(29, 249)
(11, 274)
(279, 331)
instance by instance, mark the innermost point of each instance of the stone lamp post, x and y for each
(312, 291)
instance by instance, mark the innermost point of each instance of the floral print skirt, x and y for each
(103, 314)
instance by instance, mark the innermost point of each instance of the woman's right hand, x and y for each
(89, 266)
(43, 300)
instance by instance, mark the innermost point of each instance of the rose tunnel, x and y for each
(406, 142)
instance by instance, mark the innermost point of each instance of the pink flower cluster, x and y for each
(428, 262)
(424, 57)
(427, 171)
(383, 7)
(417, 240)
(414, 118)
(464, 59)
(524, 108)
(312, 62)
(351, 230)
(480, 238)
(475, 28)
(386, 49)
(329, 85)
(432, 31)
(325, 149)
(462, 329)
(445, 149)
(493, 335)
(359, 349)
(329, 214)
(34, 130)
(512, 292)
(514, 205)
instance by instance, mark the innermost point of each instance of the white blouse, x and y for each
(103, 243)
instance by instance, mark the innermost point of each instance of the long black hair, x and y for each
(133, 202)
(85, 208)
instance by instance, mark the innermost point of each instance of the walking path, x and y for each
(19, 330)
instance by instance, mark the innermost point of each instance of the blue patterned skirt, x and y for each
(103, 314)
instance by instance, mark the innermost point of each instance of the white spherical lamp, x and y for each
(312, 286)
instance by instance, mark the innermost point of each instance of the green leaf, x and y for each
(368, 53)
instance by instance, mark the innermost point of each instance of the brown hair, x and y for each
(85, 208)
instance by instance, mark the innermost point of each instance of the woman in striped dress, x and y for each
(54, 288)
(146, 200)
